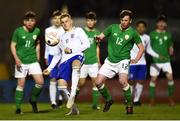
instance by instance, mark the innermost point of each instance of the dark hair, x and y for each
(56, 13)
(91, 15)
(126, 13)
(141, 22)
(161, 18)
(29, 15)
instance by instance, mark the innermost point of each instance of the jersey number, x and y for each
(27, 43)
(119, 41)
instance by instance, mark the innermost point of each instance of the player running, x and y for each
(73, 42)
(25, 48)
(161, 42)
(138, 71)
(92, 58)
(53, 31)
(121, 38)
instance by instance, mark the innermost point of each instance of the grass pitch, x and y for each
(117, 112)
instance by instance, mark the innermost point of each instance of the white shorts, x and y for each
(30, 69)
(109, 69)
(89, 69)
(156, 68)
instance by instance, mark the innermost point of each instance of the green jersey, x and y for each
(26, 44)
(120, 42)
(160, 43)
(91, 56)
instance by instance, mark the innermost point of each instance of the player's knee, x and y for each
(153, 78)
(53, 83)
(169, 76)
(53, 80)
(20, 88)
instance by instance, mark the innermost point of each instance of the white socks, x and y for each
(75, 80)
(52, 92)
(138, 92)
(64, 91)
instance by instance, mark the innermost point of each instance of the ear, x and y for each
(24, 22)
(95, 21)
(130, 21)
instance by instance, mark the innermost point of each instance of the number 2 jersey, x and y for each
(26, 44)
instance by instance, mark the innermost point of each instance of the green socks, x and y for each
(95, 96)
(128, 95)
(152, 90)
(18, 97)
(105, 92)
(36, 92)
(170, 88)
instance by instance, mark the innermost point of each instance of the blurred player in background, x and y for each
(138, 71)
(56, 31)
(121, 38)
(161, 42)
(92, 58)
(25, 48)
(72, 44)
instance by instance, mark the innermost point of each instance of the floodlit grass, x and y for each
(117, 112)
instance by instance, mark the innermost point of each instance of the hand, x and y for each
(99, 65)
(68, 50)
(171, 51)
(133, 61)
(100, 37)
(162, 57)
(46, 72)
(18, 62)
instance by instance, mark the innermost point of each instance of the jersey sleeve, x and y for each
(107, 31)
(149, 49)
(56, 58)
(84, 41)
(46, 53)
(137, 38)
(15, 36)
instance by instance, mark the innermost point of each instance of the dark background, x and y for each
(107, 11)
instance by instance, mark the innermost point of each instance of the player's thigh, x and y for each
(123, 79)
(168, 70)
(123, 66)
(38, 78)
(76, 63)
(62, 82)
(84, 71)
(107, 70)
(166, 67)
(155, 70)
(21, 72)
(81, 82)
(93, 79)
(35, 69)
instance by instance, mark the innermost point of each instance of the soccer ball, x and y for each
(51, 40)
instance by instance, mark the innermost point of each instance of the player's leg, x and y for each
(19, 94)
(123, 70)
(141, 76)
(93, 71)
(76, 65)
(52, 92)
(20, 74)
(106, 71)
(169, 75)
(36, 72)
(154, 72)
(95, 94)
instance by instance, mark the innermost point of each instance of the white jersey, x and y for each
(147, 46)
(76, 40)
(56, 32)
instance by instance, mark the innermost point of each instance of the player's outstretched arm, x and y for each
(139, 54)
(150, 51)
(171, 50)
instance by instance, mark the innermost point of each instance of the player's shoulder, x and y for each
(19, 29)
(37, 29)
(49, 28)
(153, 32)
(146, 36)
